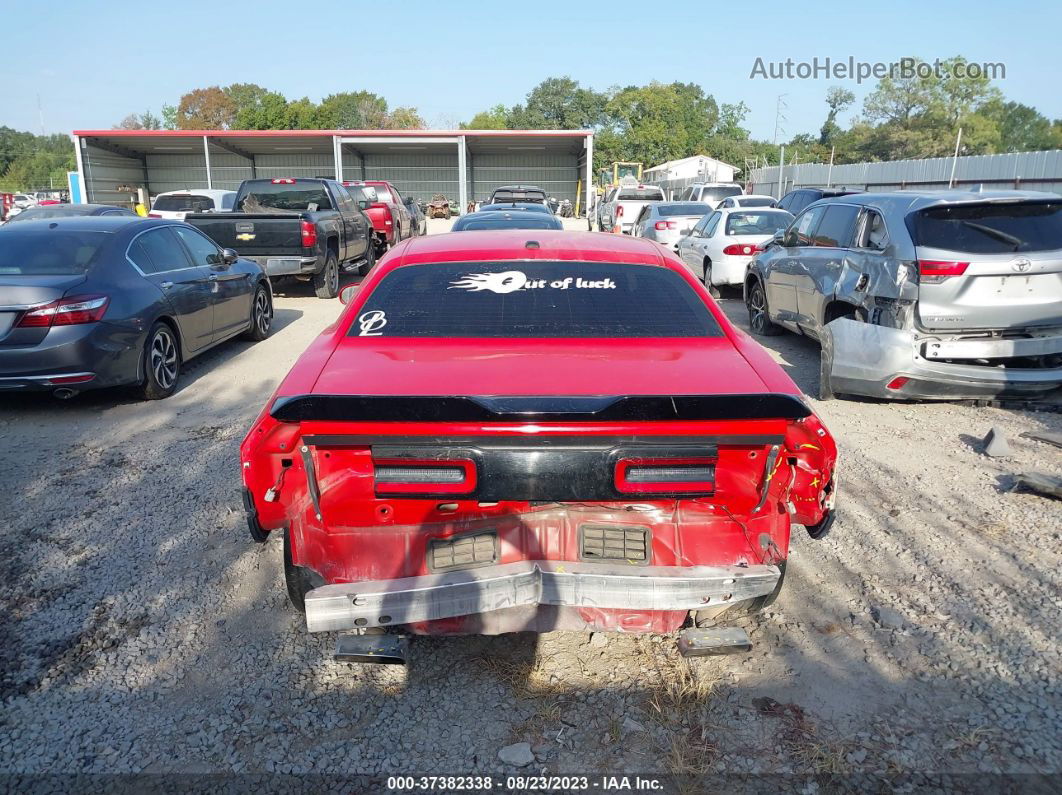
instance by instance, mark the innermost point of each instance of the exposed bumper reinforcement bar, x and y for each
(471, 591)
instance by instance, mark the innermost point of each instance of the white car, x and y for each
(748, 200)
(176, 204)
(718, 249)
(19, 202)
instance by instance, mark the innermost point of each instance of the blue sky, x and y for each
(91, 63)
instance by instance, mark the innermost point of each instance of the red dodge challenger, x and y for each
(534, 430)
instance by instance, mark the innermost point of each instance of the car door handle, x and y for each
(213, 277)
(165, 285)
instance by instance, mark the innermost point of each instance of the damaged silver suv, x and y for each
(923, 295)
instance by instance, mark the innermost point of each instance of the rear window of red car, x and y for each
(534, 299)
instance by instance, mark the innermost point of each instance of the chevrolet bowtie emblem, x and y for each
(245, 236)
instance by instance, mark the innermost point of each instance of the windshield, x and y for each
(757, 223)
(498, 220)
(518, 195)
(534, 299)
(991, 228)
(683, 208)
(49, 211)
(187, 202)
(383, 194)
(754, 201)
(48, 252)
(719, 193)
(258, 197)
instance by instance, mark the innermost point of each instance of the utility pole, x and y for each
(829, 174)
(781, 169)
(779, 117)
(40, 113)
(955, 158)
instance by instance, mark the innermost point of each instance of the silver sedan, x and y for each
(667, 222)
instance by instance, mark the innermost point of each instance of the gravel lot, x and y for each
(143, 631)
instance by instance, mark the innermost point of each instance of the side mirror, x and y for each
(778, 239)
(229, 257)
(346, 295)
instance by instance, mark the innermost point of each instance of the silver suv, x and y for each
(940, 295)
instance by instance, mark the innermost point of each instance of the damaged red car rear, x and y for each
(504, 434)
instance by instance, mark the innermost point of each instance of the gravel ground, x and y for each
(143, 631)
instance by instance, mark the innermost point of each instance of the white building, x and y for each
(699, 168)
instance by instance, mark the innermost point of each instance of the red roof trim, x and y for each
(329, 133)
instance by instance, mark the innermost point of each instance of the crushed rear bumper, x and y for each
(528, 583)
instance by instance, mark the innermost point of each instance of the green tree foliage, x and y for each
(660, 122)
(495, 118)
(558, 103)
(139, 121)
(838, 100)
(30, 161)
(353, 110)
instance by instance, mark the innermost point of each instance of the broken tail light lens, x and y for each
(407, 477)
(71, 311)
(666, 475)
(934, 271)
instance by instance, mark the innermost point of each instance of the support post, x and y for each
(462, 182)
(955, 158)
(82, 175)
(337, 152)
(206, 155)
(589, 181)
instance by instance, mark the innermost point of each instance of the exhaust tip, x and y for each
(64, 393)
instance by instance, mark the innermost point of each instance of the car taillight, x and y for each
(666, 475)
(66, 312)
(741, 250)
(665, 225)
(934, 271)
(619, 210)
(309, 234)
(154, 215)
(388, 218)
(402, 476)
(283, 181)
(898, 383)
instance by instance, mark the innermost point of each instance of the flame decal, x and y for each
(504, 282)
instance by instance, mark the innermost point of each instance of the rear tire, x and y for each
(162, 363)
(712, 289)
(261, 315)
(369, 261)
(326, 283)
(298, 580)
(759, 314)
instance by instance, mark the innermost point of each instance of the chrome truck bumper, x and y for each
(406, 600)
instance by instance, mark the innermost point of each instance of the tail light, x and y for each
(934, 271)
(287, 181)
(661, 225)
(412, 477)
(666, 475)
(309, 234)
(741, 250)
(388, 219)
(898, 383)
(619, 210)
(71, 311)
(154, 215)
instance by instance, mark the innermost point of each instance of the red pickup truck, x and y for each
(391, 221)
(507, 434)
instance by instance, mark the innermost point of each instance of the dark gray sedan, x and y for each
(96, 302)
(51, 211)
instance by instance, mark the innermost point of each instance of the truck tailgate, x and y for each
(253, 234)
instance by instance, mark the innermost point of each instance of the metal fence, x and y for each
(1023, 170)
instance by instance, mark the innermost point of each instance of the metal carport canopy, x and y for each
(175, 159)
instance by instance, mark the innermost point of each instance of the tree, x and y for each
(139, 121)
(660, 122)
(269, 112)
(206, 109)
(1021, 128)
(353, 110)
(731, 117)
(494, 118)
(169, 117)
(838, 100)
(558, 103)
(404, 119)
(245, 95)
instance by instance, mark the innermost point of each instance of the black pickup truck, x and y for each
(303, 228)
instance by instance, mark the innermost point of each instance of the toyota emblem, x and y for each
(1021, 265)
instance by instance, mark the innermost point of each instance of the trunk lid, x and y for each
(19, 292)
(992, 265)
(538, 367)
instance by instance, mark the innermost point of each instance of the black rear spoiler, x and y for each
(372, 408)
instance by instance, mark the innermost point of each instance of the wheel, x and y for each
(162, 363)
(712, 289)
(826, 366)
(369, 260)
(261, 315)
(447, 215)
(326, 283)
(759, 317)
(298, 580)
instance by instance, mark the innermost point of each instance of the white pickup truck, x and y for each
(622, 205)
